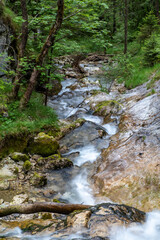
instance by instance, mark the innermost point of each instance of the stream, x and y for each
(83, 146)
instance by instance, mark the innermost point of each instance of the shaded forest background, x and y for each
(42, 30)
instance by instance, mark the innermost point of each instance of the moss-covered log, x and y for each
(42, 207)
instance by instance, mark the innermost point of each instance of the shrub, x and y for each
(151, 50)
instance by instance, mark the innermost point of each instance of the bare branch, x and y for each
(42, 207)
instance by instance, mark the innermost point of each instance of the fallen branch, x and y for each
(41, 207)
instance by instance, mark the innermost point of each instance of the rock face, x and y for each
(129, 171)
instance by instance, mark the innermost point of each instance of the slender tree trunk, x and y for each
(125, 25)
(49, 42)
(114, 17)
(42, 207)
(22, 46)
(157, 9)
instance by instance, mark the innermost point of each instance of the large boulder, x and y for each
(96, 223)
(43, 145)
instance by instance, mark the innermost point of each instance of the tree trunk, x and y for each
(22, 46)
(125, 25)
(42, 207)
(49, 42)
(157, 9)
(114, 17)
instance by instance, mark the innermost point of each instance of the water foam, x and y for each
(80, 191)
(150, 230)
(87, 154)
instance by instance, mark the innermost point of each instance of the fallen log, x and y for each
(41, 207)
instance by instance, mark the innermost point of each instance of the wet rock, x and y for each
(97, 222)
(43, 145)
(79, 220)
(71, 74)
(107, 108)
(81, 136)
(54, 162)
(105, 216)
(19, 157)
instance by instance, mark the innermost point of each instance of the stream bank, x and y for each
(114, 150)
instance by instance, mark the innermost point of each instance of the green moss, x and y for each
(16, 170)
(56, 200)
(19, 157)
(8, 16)
(27, 166)
(54, 162)
(105, 107)
(43, 144)
(33, 227)
(46, 216)
(14, 143)
(38, 180)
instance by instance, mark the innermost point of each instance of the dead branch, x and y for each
(41, 207)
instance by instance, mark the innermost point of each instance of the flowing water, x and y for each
(150, 230)
(74, 185)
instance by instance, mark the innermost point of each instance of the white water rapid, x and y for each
(72, 184)
(150, 230)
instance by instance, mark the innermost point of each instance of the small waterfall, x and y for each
(79, 190)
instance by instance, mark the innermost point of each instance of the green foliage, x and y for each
(151, 50)
(154, 78)
(131, 69)
(148, 27)
(34, 118)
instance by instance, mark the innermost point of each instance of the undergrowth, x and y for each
(131, 69)
(36, 117)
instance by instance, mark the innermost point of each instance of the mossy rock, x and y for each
(13, 143)
(43, 145)
(107, 108)
(17, 157)
(54, 162)
(27, 166)
(38, 180)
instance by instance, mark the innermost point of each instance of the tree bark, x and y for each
(157, 10)
(42, 207)
(125, 25)
(49, 42)
(22, 46)
(114, 17)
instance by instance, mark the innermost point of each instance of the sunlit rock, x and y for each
(19, 199)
